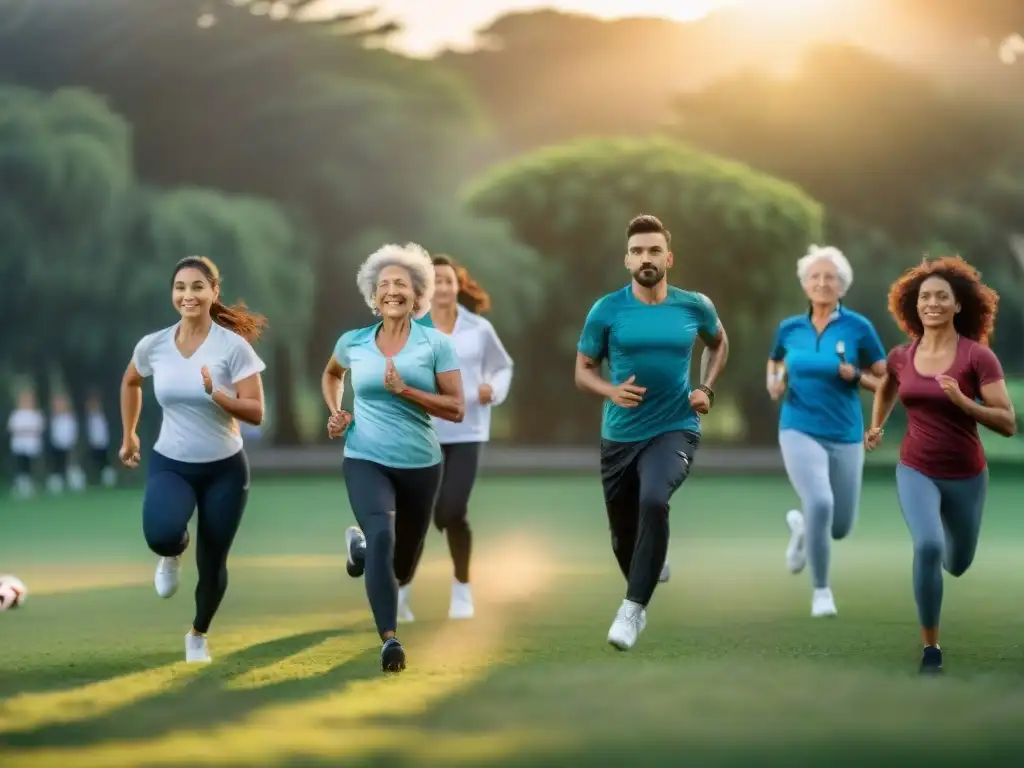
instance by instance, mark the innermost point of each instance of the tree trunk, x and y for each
(760, 416)
(286, 427)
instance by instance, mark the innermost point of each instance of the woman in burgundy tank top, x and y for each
(949, 381)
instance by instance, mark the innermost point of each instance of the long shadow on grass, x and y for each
(201, 702)
(68, 676)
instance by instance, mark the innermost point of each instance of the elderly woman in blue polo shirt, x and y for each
(821, 359)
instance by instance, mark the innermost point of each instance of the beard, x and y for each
(648, 275)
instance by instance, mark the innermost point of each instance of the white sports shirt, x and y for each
(483, 360)
(63, 431)
(194, 428)
(98, 430)
(26, 428)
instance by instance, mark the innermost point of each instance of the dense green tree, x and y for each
(872, 140)
(546, 77)
(86, 251)
(64, 173)
(245, 98)
(979, 224)
(263, 260)
(737, 234)
(514, 274)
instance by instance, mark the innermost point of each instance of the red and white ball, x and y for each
(12, 592)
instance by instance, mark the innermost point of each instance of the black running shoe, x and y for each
(931, 660)
(355, 544)
(392, 656)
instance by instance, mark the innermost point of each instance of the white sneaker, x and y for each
(168, 576)
(796, 552)
(666, 573)
(461, 606)
(55, 484)
(196, 651)
(822, 603)
(108, 477)
(404, 611)
(24, 488)
(76, 479)
(629, 622)
(355, 547)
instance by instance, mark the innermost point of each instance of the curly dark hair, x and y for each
(978, 303)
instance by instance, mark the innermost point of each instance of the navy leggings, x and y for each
(393, 508)
(174, 490)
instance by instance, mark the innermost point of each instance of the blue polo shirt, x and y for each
(818, 401)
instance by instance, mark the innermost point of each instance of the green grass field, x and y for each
(731, 669)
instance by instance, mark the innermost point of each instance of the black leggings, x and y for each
(174, 489)
(23, 463)
(59, 461)
(100, 458)
(393, 508)
(639, 480)
(452, 509)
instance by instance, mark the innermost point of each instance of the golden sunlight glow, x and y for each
(431, 26)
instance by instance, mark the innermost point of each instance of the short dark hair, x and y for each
(645, 224)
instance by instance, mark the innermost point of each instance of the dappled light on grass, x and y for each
(731, 664)
(447, 660)
(309, 663)
(36, 710)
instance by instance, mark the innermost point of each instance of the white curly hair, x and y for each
(411, 257)
(816, 253)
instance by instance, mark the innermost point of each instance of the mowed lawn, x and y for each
(731, 669)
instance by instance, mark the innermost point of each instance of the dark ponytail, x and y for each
(471, 295)
(237, 317)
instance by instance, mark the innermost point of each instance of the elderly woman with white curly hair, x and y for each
(820, 361)
(403, 373)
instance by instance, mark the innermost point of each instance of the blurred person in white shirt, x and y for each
(457, 309)
(26, 425)
(63, 440)
(98, 432)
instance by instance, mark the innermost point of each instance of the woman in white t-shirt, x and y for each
(26, 426)
(457, 309)
(206, 377)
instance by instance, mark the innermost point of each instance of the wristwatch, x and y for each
(709, 392)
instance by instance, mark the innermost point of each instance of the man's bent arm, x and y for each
(589, 379)
(714, 356)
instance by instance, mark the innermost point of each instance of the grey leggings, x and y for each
(944, 518)
(827, 478)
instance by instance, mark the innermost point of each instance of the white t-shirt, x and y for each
(194, 428)
(26, 428)
(482, 360)
(63, 431)
(99, 431)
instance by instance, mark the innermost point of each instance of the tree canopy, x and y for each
(90, 248)
(736, 236)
